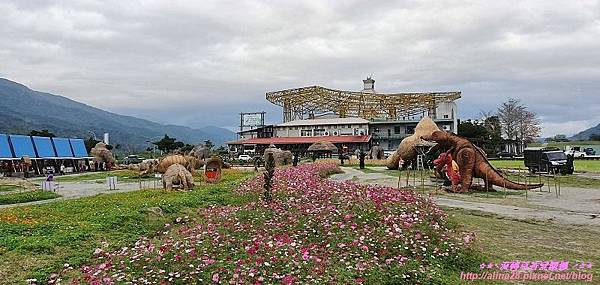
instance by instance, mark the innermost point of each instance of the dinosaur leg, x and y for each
(466, 162)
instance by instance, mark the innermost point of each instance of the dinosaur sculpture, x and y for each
(377, 152)
(472, 163)
(103, 155)
(177, 175)
(282, 157)
(407, 150)
(189, 162)
(201, 152)
(445, 163)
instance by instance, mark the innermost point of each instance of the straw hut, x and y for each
(322, 147)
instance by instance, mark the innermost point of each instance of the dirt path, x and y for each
(574, 206)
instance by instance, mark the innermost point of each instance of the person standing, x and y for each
(62, 169)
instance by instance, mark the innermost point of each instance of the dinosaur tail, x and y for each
(496, 179)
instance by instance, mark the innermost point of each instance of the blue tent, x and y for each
(44, 147)
(22, 145)
(78, 147)
(63, 147)
(5, 151)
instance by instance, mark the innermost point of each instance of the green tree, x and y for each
(90, 143)
(42, 133)
(209, 144)
(168, 144)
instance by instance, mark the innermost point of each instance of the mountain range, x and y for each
(585, 135)
(23, 110)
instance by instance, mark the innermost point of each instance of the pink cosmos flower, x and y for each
(288, 279)
(215, 278)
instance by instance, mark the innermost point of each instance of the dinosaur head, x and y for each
(443, 158)
(436, 136)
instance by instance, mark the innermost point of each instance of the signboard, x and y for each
(250, 121)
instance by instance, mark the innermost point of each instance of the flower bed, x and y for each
(314, 231)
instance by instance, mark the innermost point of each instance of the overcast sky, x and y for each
(200, 63)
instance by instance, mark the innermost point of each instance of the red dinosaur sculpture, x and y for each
(445, 163)
(472, 163)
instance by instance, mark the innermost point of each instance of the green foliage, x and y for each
(268, 176)
(209, 144)
(168, 144)
(42, 133)
(90, 143)
(24, 197)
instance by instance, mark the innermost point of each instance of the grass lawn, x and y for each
(502, 239)
(30, 196)
(38, 240)
(10, 187)
(120, 174)
(580, 165)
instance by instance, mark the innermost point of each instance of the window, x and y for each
(396, 130)
(410, 129)
(306, 133)
(445, 116)
(349, 126)
(319, 132)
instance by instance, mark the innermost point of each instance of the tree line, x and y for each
(512, 124)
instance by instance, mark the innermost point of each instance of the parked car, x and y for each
(244, 157)
(388, 153)
(589, 151)
(575, 153)
(132, 159)
(547, 159)
(505, 154)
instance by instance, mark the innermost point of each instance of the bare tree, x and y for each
(518, 123)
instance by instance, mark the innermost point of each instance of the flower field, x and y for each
(314, 231)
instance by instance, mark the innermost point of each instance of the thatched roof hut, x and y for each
(322, 146)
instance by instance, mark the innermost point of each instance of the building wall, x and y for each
(322, 130)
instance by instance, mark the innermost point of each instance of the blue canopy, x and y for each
(5, 151)
(78, 148)
(22, 146)
(63, 147)
(44, 147)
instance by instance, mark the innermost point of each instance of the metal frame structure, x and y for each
(299, 102)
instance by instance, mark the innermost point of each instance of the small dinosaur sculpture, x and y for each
(177, 174)
(451, 167)
(472, 162)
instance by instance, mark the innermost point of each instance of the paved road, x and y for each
(74, 190)
(574, 206)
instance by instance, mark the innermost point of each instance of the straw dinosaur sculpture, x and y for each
(102, 154)
(377, 152)
(407, 150)
(177, 175)
(472, 163)
(282, 157)
(189, 162)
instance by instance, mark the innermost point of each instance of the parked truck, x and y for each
(547, 159)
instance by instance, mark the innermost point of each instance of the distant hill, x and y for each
(585, 135)
(23, 109)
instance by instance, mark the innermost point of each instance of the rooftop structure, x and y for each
(308, 102)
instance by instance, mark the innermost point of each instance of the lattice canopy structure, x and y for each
(306, 102)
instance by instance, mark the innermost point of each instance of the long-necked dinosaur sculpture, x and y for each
(472, 163)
